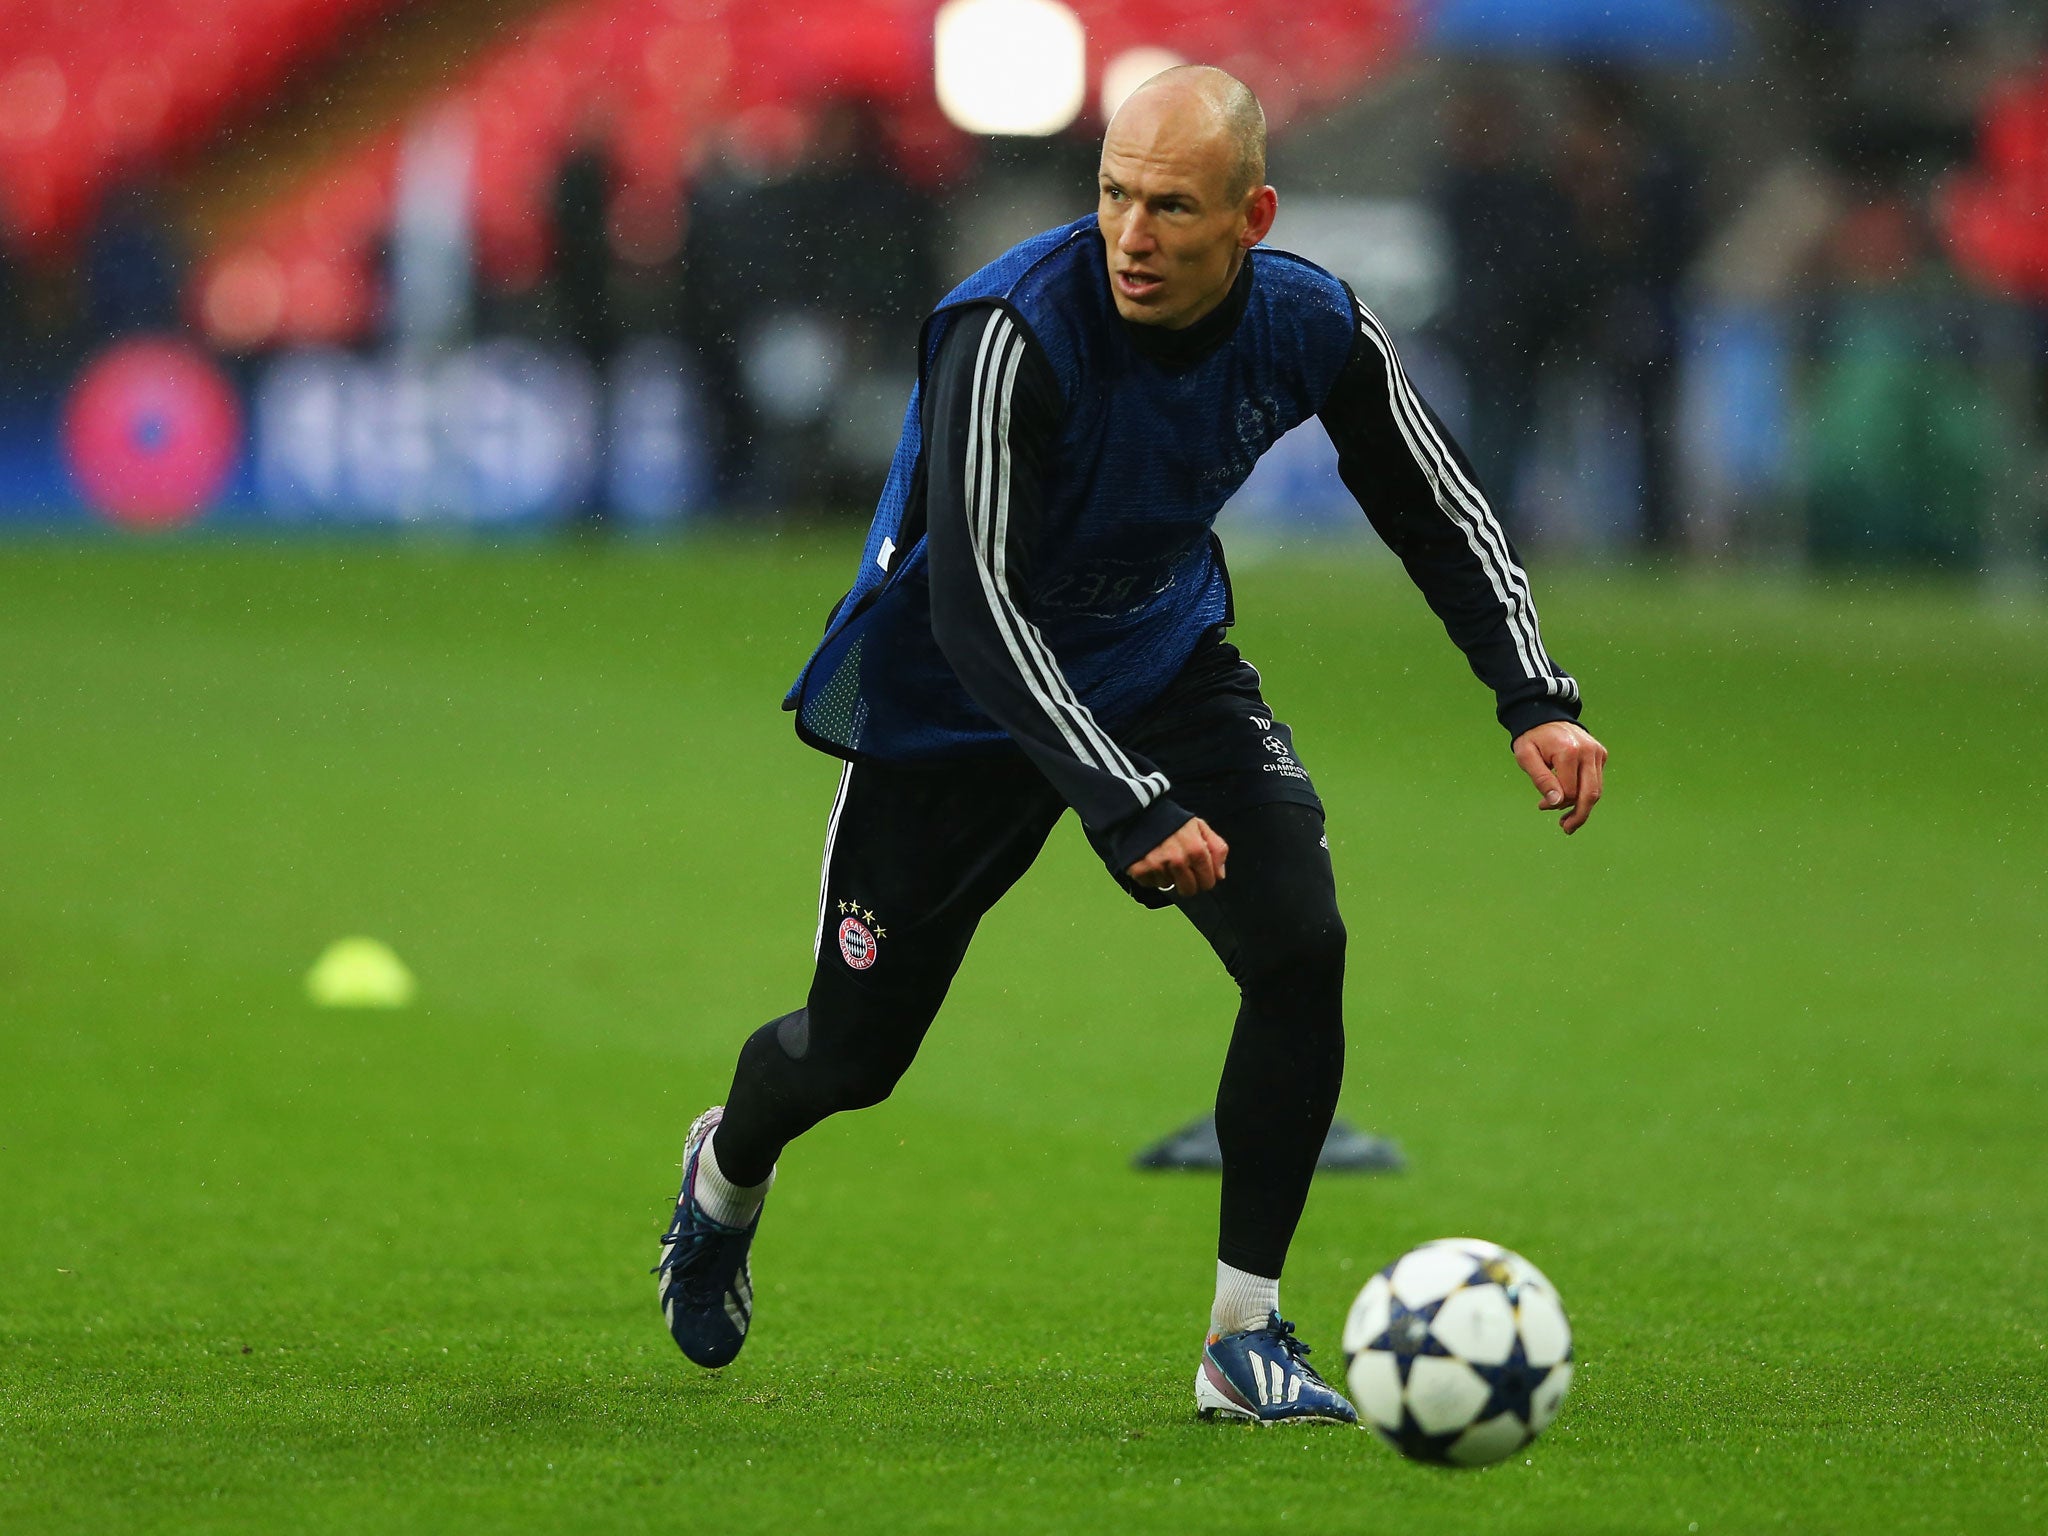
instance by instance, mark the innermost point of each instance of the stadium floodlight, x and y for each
(1010, 66)
(1129, 70)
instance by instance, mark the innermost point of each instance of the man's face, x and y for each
(1174, 234)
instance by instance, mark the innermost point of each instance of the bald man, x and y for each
(1038, 624)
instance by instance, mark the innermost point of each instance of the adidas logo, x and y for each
(739, 1301)
(1280, 1386)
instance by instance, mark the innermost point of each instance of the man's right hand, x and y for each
(1186, 864)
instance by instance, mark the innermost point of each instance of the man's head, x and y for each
(1182, 194)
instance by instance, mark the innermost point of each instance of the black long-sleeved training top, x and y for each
(1043, 563)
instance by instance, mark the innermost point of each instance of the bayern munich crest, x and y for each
(856, 943)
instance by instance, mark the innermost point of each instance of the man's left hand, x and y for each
(1565, 764)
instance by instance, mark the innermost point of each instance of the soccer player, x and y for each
(1039, 622)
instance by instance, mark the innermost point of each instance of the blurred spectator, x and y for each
(1992, 216)
(583, 275)
(14, 325)
(1634, 231)
(1514, 276)
(1892, 84)
(583, 256)
(796, 289)
(433, 262)
(725, 227)
(880, 280)
(1907, 445)
(881, 274)
(132, 270)
(1738, 417)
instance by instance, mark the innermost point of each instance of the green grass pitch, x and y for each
(1755, 1067)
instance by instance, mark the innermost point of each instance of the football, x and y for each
(1458, 1352)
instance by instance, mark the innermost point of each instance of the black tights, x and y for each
(1274, 924)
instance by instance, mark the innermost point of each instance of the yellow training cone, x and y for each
(360, 973)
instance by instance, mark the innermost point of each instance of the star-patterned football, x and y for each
(1458, 1352)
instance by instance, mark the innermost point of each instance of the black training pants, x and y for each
(916, 855)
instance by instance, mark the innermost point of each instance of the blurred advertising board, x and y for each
(154, 432)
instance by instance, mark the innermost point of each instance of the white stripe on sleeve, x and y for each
(1461, 501)
(988, 507)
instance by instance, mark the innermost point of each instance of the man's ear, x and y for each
(1261, 208)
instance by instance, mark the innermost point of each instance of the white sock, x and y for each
(1242, 1300)
(727, 1203)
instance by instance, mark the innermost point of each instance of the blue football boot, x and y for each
(707, 1286)
(1261, 1375)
